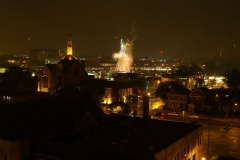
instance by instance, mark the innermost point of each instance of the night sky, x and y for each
(184, 28)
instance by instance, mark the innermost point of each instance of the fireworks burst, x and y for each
(124, 57)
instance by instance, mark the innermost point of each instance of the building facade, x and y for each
(119, 91)
(202, 99)
(43, 54)
(177, 99)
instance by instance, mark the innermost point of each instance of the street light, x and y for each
(183, 116)
(208, 140)
(232, 113)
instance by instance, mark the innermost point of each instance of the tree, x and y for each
(232, 78)
(194, 68)
(229, 104)
(119, 108)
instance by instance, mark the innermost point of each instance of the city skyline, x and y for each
(173, 28)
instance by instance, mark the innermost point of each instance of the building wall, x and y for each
(108, 96)
(43, 79)
(14, 150)
(43, 54)
(20, 98)
(139, 91)
(125, 92)
(190, 84)
(179, 150)
(70, 74)
(112, 94)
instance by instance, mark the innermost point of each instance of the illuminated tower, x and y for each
(69, 45)
(69, 57)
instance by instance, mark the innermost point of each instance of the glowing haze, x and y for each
(124, 57)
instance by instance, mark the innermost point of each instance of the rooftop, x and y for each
(122, 137)
(40, 117)
(131, 134)
(69, 59)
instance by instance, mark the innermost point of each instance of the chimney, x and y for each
(145, 107)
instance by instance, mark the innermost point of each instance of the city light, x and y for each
(3, 70)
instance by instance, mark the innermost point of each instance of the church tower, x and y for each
(69, 45)
(68, 72)
(69, 57)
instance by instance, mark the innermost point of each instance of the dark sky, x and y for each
(178, 27)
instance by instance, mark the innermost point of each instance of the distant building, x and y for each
(124, 77)
(151, 84)
(107, 64)
(17, 84)
(14, 60)
(44, 54)
(12, 91)
(190, 81)
(115, 91)
(215, 82)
